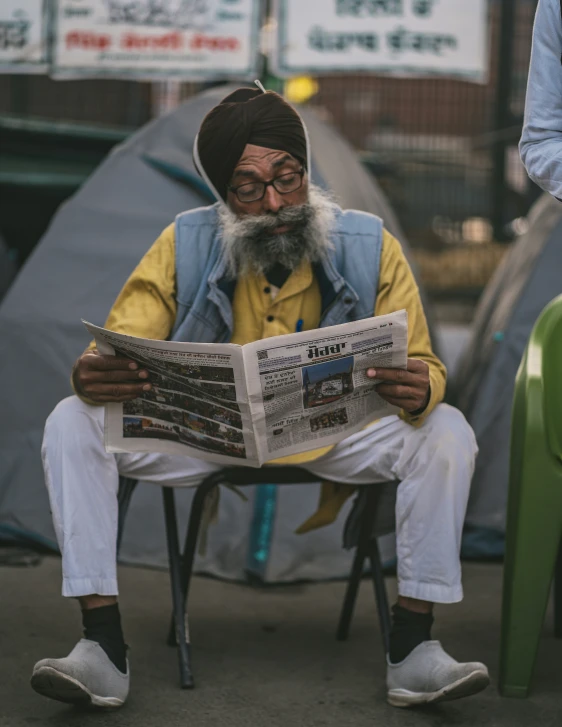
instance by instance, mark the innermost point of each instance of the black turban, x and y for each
(246, 116)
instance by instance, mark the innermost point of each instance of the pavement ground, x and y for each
(262, 657)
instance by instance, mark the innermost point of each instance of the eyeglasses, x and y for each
(284, 184)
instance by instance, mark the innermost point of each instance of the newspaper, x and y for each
(250, 404)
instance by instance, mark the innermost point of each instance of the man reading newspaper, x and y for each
(273, 255)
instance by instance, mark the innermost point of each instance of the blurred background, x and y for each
(443, 150)
(415, 110)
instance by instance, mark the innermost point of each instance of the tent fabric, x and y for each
(7, 268)
(529, 277)
(78, 268)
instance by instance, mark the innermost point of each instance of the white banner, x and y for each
(164, 39)
(23, 36)
(405, 37)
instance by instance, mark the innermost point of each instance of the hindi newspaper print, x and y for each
(251, 404)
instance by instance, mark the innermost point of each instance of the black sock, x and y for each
(103, 625)
(408, 630)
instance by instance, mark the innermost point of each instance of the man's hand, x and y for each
(108, 378)
(406, 388)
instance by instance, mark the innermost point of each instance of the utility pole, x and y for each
(503, 118)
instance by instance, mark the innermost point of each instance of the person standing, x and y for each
(541, 141)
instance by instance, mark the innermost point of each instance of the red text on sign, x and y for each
(87, 41)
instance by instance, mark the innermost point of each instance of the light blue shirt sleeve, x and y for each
(541, 142)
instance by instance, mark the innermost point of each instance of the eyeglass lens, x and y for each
(255, 191)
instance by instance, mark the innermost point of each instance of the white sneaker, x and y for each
(87, 676)
(428, 674)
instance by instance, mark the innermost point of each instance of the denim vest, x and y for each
(348, 278)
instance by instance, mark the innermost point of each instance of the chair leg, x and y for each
(179, 616)
(532, 543)
(192, 535)
(381, 596)
(558, 595)
(351, 594)
(367, 523)
(127, 486)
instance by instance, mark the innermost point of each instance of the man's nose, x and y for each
(272, 201)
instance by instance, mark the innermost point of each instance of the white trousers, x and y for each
(434, 465)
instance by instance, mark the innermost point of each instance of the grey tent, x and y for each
(528, 278)
(76, 271)
(7, 268)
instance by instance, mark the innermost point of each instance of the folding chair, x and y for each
(365, 510)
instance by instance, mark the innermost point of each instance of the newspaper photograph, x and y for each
(197, 405)
(251, 404)
(311, 389)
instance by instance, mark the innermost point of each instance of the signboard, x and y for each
(163, 39)
(405, 37)
(23, 36)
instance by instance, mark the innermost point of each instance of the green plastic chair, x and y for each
(534, 513)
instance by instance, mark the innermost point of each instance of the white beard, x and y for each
(249, 245)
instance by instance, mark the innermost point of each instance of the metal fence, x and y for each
(443, 150)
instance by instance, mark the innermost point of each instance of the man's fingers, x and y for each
(406, 389)
(115, 390)
(398, 375)
(99, 362)
(416, 372)
(417, 365)
(397, 392)
(102, 377)
(400, 403)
